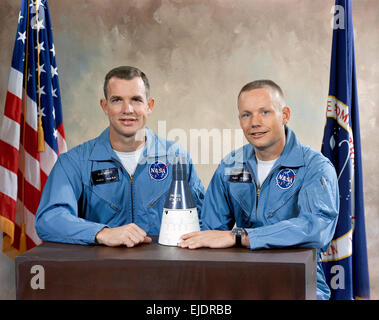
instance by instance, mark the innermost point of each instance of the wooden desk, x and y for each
(153, 271)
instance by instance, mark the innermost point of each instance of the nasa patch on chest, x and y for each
(158, 170)
(285, 178)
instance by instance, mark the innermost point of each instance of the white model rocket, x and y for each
(179, 213)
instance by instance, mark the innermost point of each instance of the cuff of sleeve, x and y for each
(255, 241)
(94, 231)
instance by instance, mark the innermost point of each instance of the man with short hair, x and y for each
(277, 191)
(111, 190)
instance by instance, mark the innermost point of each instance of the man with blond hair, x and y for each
(273, 192)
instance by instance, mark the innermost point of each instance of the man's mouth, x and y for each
(258, 134)
(128, 120)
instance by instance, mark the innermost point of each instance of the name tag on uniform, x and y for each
(240, 175)
(105, 176)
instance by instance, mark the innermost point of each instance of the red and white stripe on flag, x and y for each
(23, 169)
(15, 176)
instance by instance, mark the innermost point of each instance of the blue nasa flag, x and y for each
(345, 261)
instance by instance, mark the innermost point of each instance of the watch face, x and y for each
(238, 231)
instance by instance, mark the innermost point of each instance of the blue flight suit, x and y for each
(296, 205)
(88, 189)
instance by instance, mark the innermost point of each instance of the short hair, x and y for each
(259, 84)
(127, 73)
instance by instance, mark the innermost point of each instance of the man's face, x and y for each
(126, 107)
(263, 122)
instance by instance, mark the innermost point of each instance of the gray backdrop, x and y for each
(197, 55)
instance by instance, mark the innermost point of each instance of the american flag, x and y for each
(31, 133)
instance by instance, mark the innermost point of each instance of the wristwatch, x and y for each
(238, 232)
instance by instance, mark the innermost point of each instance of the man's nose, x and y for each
(127, 108)
(256, 120)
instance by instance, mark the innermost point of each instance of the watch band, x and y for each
(238, 241)
(238, 233)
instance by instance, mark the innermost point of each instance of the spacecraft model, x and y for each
(179, 212)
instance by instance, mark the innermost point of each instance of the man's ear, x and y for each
(150, 105)
(104, 105)
(286, 114)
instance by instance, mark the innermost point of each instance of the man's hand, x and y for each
(129, 235)
(208, 238)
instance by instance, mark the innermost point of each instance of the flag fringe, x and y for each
(7, 226)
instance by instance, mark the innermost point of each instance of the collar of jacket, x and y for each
(154, 147)
(292, 155)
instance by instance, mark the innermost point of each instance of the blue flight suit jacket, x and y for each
(88, 189)
(297, 204)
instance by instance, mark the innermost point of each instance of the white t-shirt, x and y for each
(130, 159)
(264, 168)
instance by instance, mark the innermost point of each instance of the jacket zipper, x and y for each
(258, 192)
(131, 183)
(131, 190)
(259, 188)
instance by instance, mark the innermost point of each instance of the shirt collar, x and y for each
(102, 151)
(155, 146)
(292, 155)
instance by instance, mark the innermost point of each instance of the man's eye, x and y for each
(115, 99)
(245, 115)
(137, 99)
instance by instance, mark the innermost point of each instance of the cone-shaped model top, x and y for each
(180, 196)
(179, 169)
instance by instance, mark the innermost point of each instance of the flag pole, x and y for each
(40, 133)
(22, 247)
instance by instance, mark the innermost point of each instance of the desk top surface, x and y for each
(154, 251)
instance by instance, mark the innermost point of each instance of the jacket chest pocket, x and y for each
(158, 201)
(286, 208)
(243, 201)
(154, 207)
(103, 204)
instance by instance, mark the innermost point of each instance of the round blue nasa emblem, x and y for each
(285, 178)
(158, 170)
